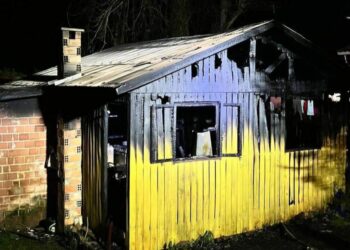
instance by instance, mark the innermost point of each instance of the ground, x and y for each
(326, 230)
(18, 241)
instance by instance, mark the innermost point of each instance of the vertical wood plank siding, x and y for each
(176, 201)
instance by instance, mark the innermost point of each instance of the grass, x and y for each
(9, 241)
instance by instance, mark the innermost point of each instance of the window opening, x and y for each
(194, 70)
(196, 131)
(303, 124)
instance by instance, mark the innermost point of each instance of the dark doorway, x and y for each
(117, 155)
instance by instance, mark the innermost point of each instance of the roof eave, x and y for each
(8, 94)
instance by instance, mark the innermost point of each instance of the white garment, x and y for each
(310, 108)
(302, 106)
(204, 147)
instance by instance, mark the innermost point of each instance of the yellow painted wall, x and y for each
(177, 201)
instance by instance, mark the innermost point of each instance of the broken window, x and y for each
(192, 132)
(303, 124)
(196, 130)
(231, 135)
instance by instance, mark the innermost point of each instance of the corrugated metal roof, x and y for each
(129, 66)
(140, 63)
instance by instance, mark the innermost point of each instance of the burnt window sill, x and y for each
(198, 158)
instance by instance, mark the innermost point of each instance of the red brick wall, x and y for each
(22, 156)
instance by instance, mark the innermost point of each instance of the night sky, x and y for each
(31, 28)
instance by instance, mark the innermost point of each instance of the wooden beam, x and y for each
(268, 40)
(252, 60)
(104, 159)
(275, 64)
(291, 72)
(293, 55)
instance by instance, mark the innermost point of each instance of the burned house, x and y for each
(168, 139)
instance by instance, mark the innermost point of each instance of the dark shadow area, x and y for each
(240, 54)
(266, 54)
(303, 123)
(68, 103)
(117, 151)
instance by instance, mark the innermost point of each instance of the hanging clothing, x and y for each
(297, 107)
(272, 107)
(203, 145)
(310, 108)
(302, 106)
(305, 107)
(276, 103)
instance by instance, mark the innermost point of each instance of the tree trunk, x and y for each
(179, 18)
(224, 13)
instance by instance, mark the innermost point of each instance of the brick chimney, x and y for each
(70, 59)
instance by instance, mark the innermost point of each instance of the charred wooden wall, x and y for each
(173, 201)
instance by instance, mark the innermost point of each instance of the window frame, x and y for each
(219, 128)
(215, 104)
(154, 133)
(239, 130)
(287, 112)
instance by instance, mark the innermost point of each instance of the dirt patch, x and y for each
(24, 216)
